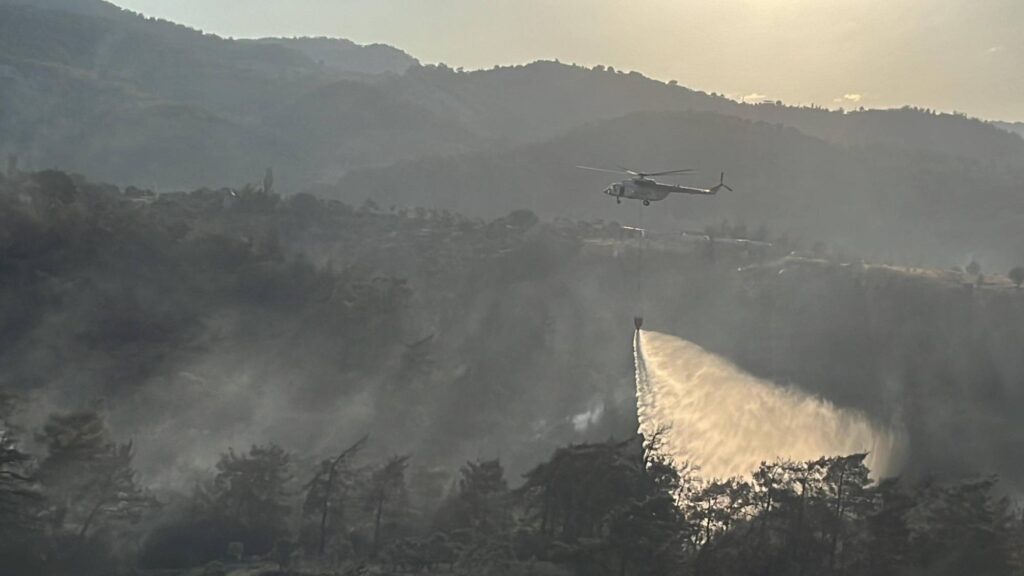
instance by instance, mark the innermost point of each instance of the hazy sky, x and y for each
(965, 55)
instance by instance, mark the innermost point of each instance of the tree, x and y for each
(20, 500)
(1016, 275)
(251, 491)
(845, 486)
(572, 494)
(771, 484)
(87, 476)
(16, 481)
(607, 504)
(648, 534)
(387, 484)
(650, 531)
(521, 219)
(709, 511)
(55, 187)
(482, 502)
(973, 268)
(967, 529)
(889, 534)
(326, 492)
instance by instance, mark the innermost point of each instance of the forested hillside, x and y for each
(197, 325)
(142, 101)
(254, 308)
(302, 306)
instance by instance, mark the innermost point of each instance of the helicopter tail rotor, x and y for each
(721, 184)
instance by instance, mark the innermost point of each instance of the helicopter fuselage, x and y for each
(647, 190)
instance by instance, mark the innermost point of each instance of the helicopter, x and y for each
(643, 187)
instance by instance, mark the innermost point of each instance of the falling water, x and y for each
(727, 422)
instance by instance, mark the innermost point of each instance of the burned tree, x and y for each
(387, 484)
(327, 491)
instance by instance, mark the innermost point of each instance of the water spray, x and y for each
(725, 421)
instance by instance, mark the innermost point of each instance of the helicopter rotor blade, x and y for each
(638, 174)
(606, 170)
(669, 172)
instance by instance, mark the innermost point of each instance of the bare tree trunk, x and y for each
(323, 526)
(376, 526)
(762, 533)
(545, 516)
(798, 544)
(107, 484)
(839, 520)
(88, 521)
(331, 478)
(707, 525)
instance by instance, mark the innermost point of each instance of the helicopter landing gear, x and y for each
(618, 200)
(647, 202)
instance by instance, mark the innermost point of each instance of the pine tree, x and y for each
(88, 478)
(251, 492)
(387, 485)
(482, 502)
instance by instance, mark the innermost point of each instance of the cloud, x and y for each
(849, 99)
(995, 49)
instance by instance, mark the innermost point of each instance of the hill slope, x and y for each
(907, 206)
(89, 89)
(216, 319)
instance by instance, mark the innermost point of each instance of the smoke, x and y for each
(726, 421)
